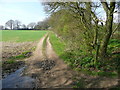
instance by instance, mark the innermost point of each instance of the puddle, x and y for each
(16, 80)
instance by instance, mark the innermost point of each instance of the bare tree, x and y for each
(109, 9)
(23, 26)
(42, 25)
(31, 25)
(9, 24)
(17, 24)
(1, 27)
(84, 12)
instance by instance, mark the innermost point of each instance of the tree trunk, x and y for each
(108, 31)
(88, 13)
(95, 34)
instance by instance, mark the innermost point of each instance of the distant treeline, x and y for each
(17, 25)
(23, 29)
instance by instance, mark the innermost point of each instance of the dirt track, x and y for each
(48, 69)
(51, 72)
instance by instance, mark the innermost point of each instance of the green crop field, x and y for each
(21, 35)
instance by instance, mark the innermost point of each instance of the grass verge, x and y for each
(70, 58)
(44, 45)
(58, 46)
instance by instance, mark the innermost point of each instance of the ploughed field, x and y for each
(16, 46)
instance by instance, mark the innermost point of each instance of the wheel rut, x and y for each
(48, 69)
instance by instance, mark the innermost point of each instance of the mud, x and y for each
(49, 71)
(11, 49)
(8, 68)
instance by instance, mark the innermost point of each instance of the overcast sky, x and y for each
(26, 12)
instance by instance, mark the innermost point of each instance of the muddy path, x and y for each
(48, 69)
(44, 69)
(51, 72)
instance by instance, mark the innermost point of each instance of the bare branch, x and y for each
(118, 26)
(105, 5)
(112, 6)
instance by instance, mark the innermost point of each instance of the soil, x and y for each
(7, 68)
(50, 71)
(11, 49)
(47, 68)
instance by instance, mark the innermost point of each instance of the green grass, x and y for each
(21, 35)
(70, 57)
(44, 45)
(44, 42)
(21, 56)
(58, 46)
(114, 44)
(10, 61)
